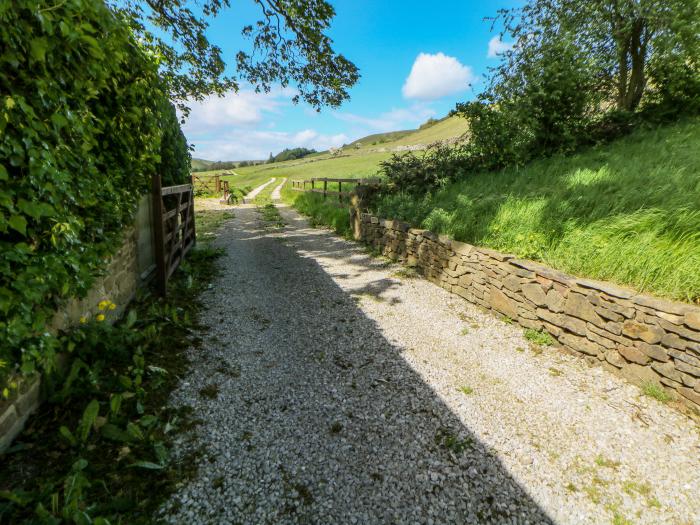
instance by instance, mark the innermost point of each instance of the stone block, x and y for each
(647, 333)
(501, 303)
(28, 401)
(667, 370)
(692, 320)
(550, 317)
(640, 374)
(608, 288)
(8, 419)
(655, 352)
(555, 301)
(535, 294)
(574, 325)
(691, 395)
(685, 333)
(512, 282)
(609, 314)
(662, 305)
(633, 355)
(614, 358)
(682, 366)
(579, 306)
(601, 340)
(580, 344)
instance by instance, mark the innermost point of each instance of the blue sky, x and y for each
(416, 60)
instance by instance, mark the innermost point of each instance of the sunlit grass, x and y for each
(628, 212)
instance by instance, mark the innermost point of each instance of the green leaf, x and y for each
(114, 433)
(37, 49)
(134, 431)
(18, 223)
(89, 415)
(67, 434)
(115, 404)
(3, 173)
(147, 465)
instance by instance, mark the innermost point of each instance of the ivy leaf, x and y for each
(37, 48)
(18, 223)
(89, 417)
(3, 173)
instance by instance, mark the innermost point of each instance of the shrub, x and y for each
(85, 124)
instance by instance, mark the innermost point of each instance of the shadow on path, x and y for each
(318, 418)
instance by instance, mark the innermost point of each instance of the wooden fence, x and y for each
(322, 182)
(207, 183)
(174, 228)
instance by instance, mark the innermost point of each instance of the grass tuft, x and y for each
(539, 338)
(656, 391)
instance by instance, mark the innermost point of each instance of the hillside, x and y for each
(352, 161)
(627, 212)
(198, 164)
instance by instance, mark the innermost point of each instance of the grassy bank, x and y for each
(320, 212)
(628, 212)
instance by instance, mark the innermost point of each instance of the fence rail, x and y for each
(300, 185)
(174, 228)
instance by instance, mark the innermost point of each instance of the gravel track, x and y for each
(277, 192)
(348, 394)
(254, 193)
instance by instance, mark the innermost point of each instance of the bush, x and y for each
(85, 124)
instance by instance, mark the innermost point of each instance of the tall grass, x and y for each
(628, 212)
(320, 212)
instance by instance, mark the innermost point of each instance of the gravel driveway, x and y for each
(341, 391)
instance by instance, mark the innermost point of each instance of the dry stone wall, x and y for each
(644, 338)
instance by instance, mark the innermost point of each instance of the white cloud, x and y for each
(436, 76)
(393, 120)
(498, 47)
(245, 108)
(245, 144)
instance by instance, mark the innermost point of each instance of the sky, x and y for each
(417, 59)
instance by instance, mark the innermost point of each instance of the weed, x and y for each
(467, 390)
(406, 273)
(520, 349)
(602, 461)
(210, 391)
(465, 331)
(539, 338)
(506, 319)
(555, 372)
(448, 441)
(271, 215)
(336, 428)
(656, 391)
(570, 487)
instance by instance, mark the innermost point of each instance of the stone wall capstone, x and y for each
(646, 339)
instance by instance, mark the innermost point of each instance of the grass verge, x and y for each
(320, 212)
(627, 212)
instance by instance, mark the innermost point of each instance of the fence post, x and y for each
(325, 189)
(340, 191)
(159, 235)
(218, 183)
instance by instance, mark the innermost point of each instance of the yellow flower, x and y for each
(103, 304)
(112, 306)
(83, 320)
(100, 317)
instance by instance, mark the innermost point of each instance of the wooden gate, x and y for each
(174, 228)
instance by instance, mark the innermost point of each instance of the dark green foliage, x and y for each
(291, 154)
(175, 157)
(81, 119)
(99, 449)
(289, 46)
(433, 167)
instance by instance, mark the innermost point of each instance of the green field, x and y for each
(628, 212)
(351, 161)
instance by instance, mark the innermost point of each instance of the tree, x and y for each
(289, 47)
(622, 37)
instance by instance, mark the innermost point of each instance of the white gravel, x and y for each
(277, 192)
(349, 395)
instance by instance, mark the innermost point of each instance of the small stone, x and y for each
(578, 306)
(647, 333)
(535, 294)
(668, 370)
(692, 320)
(633, 355)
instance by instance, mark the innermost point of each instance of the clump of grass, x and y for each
(210, 391)
(465, 331)
(602, 461)
(520, 349)
(555, 372)
(336, 428)
(323, 212)
(539, 338)
(271, 215)
(466, 390)
(406, 273)
(656, 391)
(570, 487)
(448, 441)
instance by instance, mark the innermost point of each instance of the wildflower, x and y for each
(100, 317)
(102, 305)
(83, 320)
(5, 393)
(112, 306)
